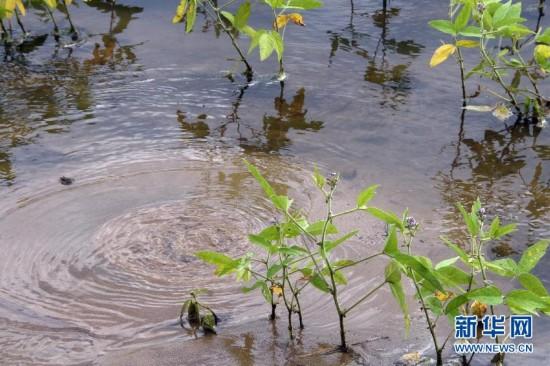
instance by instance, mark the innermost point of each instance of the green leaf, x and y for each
(367, 195)
(444, 26)
(446, 262)
(278, 44)
(331, 244)
(214, 257)
(455, 303)
(191, 15)
(227, 15)
(343, 263)
(525, 301)
(386, 216)
(463, 17)
(266, 46)
(317, 228)
(453, 276)
(533, 284)
(303, 4)
(505, 267)
(489, 295)
(418, 267)
(319, 282)
(399, 295)
(318, 178)
(544, 37)
(256, 285)
(261, 241)
(242, 15)
(393, 272)
(471, 31)
(464, 257)
(273, 270)
(260, 179)
(391, 246)
(532, 255)
(283, 203)
(470, 220)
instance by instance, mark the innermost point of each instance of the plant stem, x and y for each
(73, 29)
(359, 261)
(334, 289)
(232, 38)
(20, 22)
(431, 325)
(364, 297)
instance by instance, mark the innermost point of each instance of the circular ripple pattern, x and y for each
(104, 264)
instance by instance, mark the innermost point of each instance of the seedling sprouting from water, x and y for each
(495, 28)
(198, 315)
(447, 289)
(268, 40)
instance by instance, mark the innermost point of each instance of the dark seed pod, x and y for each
(193, 314)
(208, 323)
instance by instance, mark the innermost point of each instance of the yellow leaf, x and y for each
(441, 54)
(276, 290)
(282, 20)
(467, 43)
(443, 296)
(68, 2)
(296, 19)
(180, 12)
(542, 51)
(478, 309)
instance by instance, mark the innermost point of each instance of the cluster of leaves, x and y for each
(199, 316)
(297, 253)
(496, 29)
(17, 8)
(268, 40)
(463, 284)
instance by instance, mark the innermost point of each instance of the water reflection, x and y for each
(505, 169)
(49, 96)
(383, 67)
(271, 136)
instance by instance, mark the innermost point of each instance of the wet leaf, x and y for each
(208, 323)
(502, 112)
(441, 54)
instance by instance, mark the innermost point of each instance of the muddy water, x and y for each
(145, 121)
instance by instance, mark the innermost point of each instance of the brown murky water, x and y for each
(145, 121)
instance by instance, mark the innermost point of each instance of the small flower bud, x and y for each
(411, 223)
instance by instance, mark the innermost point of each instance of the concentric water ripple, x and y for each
(104, 263)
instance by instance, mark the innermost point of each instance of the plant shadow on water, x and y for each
(271, 137)
(384, 65)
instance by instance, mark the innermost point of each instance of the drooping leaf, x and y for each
(391, 246)
(525, 301)
(399, 295)
(180, 12)
(319, 282)
(441, 54)
(317, 228)
(420, 268)
(490, 295)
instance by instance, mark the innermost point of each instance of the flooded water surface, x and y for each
(151, 124)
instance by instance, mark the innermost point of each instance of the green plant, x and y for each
(495, 28)
(448, 289)
(268, 40)
(198, 315)
(298, 252)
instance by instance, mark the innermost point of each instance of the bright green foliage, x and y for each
(496, 28)
(269, 40)
(296, 252)
(462, 284)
